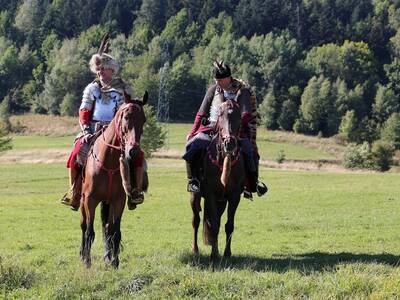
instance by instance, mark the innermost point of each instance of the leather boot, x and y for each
(193, 181)
(260, 187)
(73, 196)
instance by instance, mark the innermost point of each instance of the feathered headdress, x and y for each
(101, 58)
(221, 70)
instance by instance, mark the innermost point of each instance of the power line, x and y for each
(163, 100)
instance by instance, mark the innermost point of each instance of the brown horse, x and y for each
(106, 178)
(223, 181)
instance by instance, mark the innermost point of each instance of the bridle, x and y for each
(119, 132)
(223, 138)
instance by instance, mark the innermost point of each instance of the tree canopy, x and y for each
(316, 66)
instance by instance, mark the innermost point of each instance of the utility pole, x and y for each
(163, 100)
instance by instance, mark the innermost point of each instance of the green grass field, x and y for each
(316, 235)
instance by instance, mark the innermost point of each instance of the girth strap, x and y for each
(110, 174)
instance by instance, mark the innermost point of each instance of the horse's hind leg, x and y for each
(195, 204)
(229, 226)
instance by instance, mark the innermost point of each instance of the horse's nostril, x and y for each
(134, 152)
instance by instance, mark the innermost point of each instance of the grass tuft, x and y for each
(13, 277)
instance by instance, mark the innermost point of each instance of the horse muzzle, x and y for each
(132, 152)
(230, 145)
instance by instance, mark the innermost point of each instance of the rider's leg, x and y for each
(260, 187)
(250, 168)
(193, 154)
(192, 170)
(72, 197)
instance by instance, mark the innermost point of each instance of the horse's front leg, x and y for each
(229, 226)
(83, 228)
(105, 210)
(89, 235)
(196, 208)
(211, 222)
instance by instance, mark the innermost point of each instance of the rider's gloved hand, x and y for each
(86, 133)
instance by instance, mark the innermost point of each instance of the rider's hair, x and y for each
(103, 60)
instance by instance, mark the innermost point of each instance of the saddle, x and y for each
(81, 158)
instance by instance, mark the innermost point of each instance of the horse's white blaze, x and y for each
(125, 175)
(226, 170)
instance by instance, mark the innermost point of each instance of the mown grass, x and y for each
(41, 142)
(316, 235)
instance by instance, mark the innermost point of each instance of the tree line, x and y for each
(320, 67)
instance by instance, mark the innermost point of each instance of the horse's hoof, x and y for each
(131, 206)
(115, 263)
(88, 264)
(214, 257)
(74, 208)
(227, 254)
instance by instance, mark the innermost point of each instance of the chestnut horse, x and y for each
(106, 178)
(223, 181)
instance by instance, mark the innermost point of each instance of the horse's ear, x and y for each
(145, 97)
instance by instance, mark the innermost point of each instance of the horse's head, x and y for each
(228, 126)
(131, 121)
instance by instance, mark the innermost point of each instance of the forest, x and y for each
(318, 67)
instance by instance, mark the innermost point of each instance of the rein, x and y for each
(118, 128)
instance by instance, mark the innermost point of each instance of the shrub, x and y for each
(353, 157)
(153, 134)
(378, 157)
(382, 153)
(281, 156)
(391, 130)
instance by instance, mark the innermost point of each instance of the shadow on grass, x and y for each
(305, 262)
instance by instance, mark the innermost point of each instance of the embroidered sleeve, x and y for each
(244, 101)
(206, 104)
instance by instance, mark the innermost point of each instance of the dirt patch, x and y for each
(46, 156)
(60, 157)
(33, 124)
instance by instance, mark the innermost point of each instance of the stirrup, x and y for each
(136, 197)
(131, 205)
(248, 195)
(67, 200)
(261, 188)
(193, 185)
